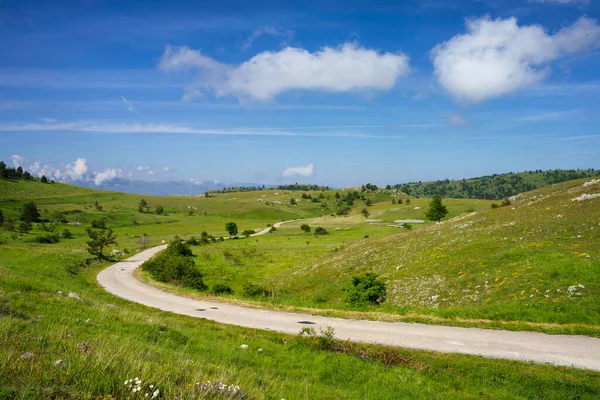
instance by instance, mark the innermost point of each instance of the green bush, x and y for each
(305, 227)
(66, 234)
(319, 230)
(366, 289)
(248, 232)
(50, 238)
(220, 288)
(175, 265)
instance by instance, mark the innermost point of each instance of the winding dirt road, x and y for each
(575, 351)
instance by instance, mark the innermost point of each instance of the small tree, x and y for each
(143, 206)
(293, 201)
(30, 213)
(407, 201)
(159, 209)
(98, 206)
(143, 241)
(99, 240)
(305, 227)
(393, 201)
(231, 228)
(365, 213)
(98, 223)
(43, 179)
(19, 172)
(66, 234)
(366, 288)
(436, 210)
(369, 202)
(319, 230)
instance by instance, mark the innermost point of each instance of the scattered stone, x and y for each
(188, 361)
(259, 350)
(68, 336)
(60, 293)
(117, 253)
(586, 196)
(27, 355)
(83, 347)
(89, 322)
(58, 364)
(74, 296)
(244, 346)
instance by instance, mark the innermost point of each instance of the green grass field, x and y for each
(102, 340)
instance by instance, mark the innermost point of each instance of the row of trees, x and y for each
(143, 207)
(18, 173)
(493, 187)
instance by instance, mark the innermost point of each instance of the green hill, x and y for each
(537, 260)
(494, 187)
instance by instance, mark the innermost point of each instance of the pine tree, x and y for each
(436, 210)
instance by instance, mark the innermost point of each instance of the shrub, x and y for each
(366, 289)
(159, 209)
(319, 230)
(293, 201)
(343, 210)
(192, 241)
(175, 265)
(505, 202)
(220, 288)
(48, 227)
(30, 213)
(305, 227)
(407, 226)
(494, 205)
(248, 232)
(254, 290)
(50, 238)
(44, 179)
(24, 226)
(98, 223)
(66, 234)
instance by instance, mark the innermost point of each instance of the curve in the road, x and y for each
(567, 350)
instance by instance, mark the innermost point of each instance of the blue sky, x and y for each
(336, 93)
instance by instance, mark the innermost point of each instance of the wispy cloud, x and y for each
(129, 105)
(133, 128)
(287, 34)
(551, 116)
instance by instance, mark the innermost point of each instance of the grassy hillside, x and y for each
(535, 260)
(494, 187)
(56, 347)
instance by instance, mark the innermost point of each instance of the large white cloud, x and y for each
(335, 69)
(302, 170)
(17, 160)
(497, 57)
(107, 175)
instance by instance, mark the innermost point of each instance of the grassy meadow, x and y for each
(54, 346)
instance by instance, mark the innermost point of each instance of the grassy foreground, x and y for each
(103, 341)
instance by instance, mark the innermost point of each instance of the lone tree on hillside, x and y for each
(143, 207)
(436, 210)
(99, 239)
(365, 213)
(231, 228)
(159, 209)
(43, 179)
(30, 213)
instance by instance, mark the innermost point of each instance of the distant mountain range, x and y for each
(161, 188)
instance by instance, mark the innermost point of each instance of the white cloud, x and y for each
(345, 68)
(17, 160)
(306, 170)
(496, 57)
(166, 170)
(106, 175)
(75, 171)
(143, 168)
(288, 34)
